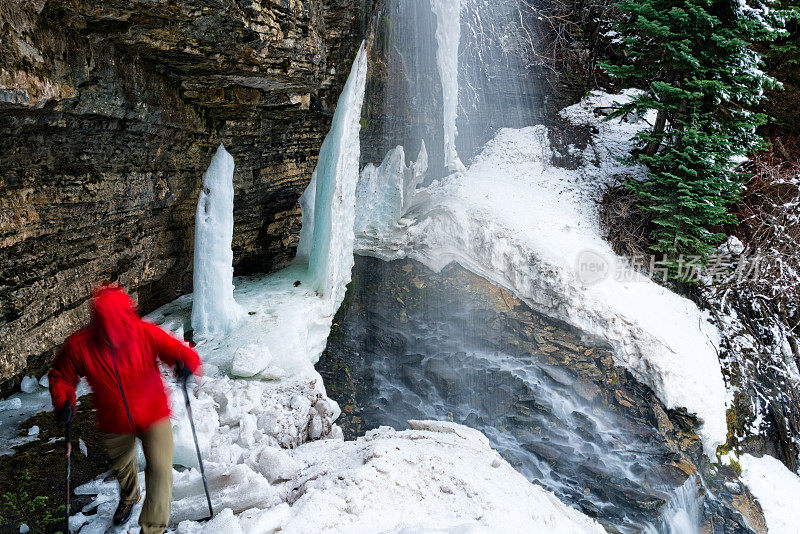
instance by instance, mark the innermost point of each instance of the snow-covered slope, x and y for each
(531, 227)
(776, 489)
(437, 476)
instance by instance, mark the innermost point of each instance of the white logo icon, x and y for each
(592, 267)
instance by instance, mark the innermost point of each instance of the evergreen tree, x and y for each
(694, 62)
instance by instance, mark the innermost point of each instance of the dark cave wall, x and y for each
(109, 115)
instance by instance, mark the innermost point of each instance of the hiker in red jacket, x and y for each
(117, 355)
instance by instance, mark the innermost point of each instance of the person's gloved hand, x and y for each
(182, 373)
(65, 414)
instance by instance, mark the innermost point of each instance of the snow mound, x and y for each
(409, 481)
(533, 228)
(776, 489)
(234, 415)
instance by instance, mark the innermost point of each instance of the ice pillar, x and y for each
(214, 312)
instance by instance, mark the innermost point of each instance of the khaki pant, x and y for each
(157, 446)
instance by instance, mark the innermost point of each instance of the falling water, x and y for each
(451, 72)
(430, 347)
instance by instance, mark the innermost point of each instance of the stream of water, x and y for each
(451, 72)
(440, 352)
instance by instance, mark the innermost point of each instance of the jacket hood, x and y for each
(114, 315)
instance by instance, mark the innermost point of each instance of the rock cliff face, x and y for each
(109, 114)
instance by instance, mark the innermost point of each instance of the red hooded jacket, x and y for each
(117, 355)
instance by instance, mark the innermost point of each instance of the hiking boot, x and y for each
(123, 512)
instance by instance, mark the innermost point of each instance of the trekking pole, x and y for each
(197, 445)
(69, 471)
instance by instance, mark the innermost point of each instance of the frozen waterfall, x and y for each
(386, 192)
(214, 311)
(328, 204)
(289, 313)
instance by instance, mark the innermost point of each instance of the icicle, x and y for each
(448, 35)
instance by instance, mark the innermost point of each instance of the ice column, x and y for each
(214, 312)
(448, 35)
(328, 204)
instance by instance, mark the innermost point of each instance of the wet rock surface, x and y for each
(109, 115)
(37, 470)
(412, 343)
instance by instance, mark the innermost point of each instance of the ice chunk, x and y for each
(448, 35)
(14, 403)
(33, 431)
(29, 384)
(250, 360)
(276, 464)
(206, 423)
(77, 521)
(236, 487)
(44, 381)
(214, 312)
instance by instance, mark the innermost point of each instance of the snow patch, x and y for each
(379, 482)
(776, 489)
